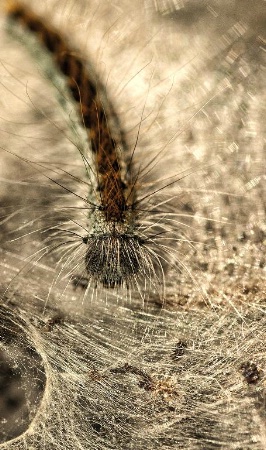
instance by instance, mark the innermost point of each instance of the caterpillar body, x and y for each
(118, 249)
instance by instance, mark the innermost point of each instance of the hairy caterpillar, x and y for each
(126, 238)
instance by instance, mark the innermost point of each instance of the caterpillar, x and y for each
(121, 246)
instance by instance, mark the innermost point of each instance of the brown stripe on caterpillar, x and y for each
(116, 254)
(114, 200)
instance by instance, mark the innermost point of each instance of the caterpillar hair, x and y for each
(123, 244)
